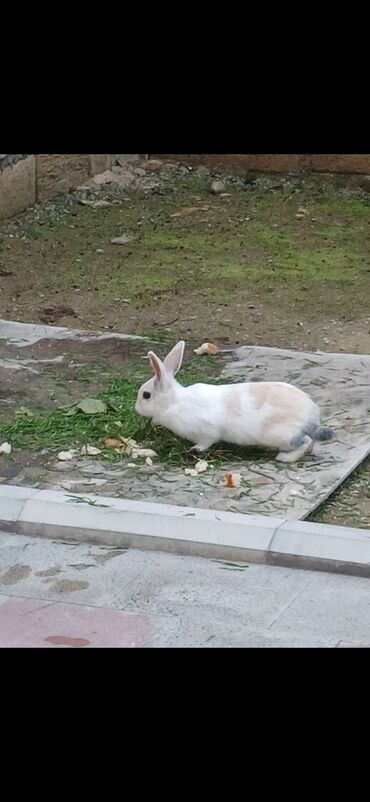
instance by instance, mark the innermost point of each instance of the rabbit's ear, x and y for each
(156, 364)
(173, 360)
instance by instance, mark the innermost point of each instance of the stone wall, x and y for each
(343, 164)
(28, 178)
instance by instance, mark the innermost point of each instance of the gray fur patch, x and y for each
(314, 431)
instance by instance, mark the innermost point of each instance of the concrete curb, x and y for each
(185, 530)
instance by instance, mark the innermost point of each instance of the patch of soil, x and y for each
(52, 314)
(248, 268)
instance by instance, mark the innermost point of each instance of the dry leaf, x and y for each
(206, 348)
(125, 444)
(201, 466)
(113, 442)
(5, 448)
(144, 452)
(233, 479)
(90, 451)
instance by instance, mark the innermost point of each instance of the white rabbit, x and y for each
(270, 414)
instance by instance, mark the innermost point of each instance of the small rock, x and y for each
(152, 165)
(122, 240)
(104, 178)
(64, 456)
(97, 204)
(126, 158)
(217, 187)
(124, 179)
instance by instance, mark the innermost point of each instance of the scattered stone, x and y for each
(123, 159)
(217, 187)
(122, 240)
(152, 166)
(104, 178)
(64, 456)
(95, 204)
(187, 210)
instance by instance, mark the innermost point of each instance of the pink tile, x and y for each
(34, 623)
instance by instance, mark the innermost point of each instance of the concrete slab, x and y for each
(119, 522)
(185, 530)
(315, 545)
(22, 335)
(12, 502)
(339, 383)
(73, 593)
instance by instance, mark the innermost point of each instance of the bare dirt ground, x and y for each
(276, 261)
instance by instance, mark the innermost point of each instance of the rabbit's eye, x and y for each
(146, 395)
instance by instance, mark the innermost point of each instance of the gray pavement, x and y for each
(55, 595)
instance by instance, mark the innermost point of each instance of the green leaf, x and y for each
(92, 406)
(71, 411)
(24, 412)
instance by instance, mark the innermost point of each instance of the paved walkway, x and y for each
(54, 594)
